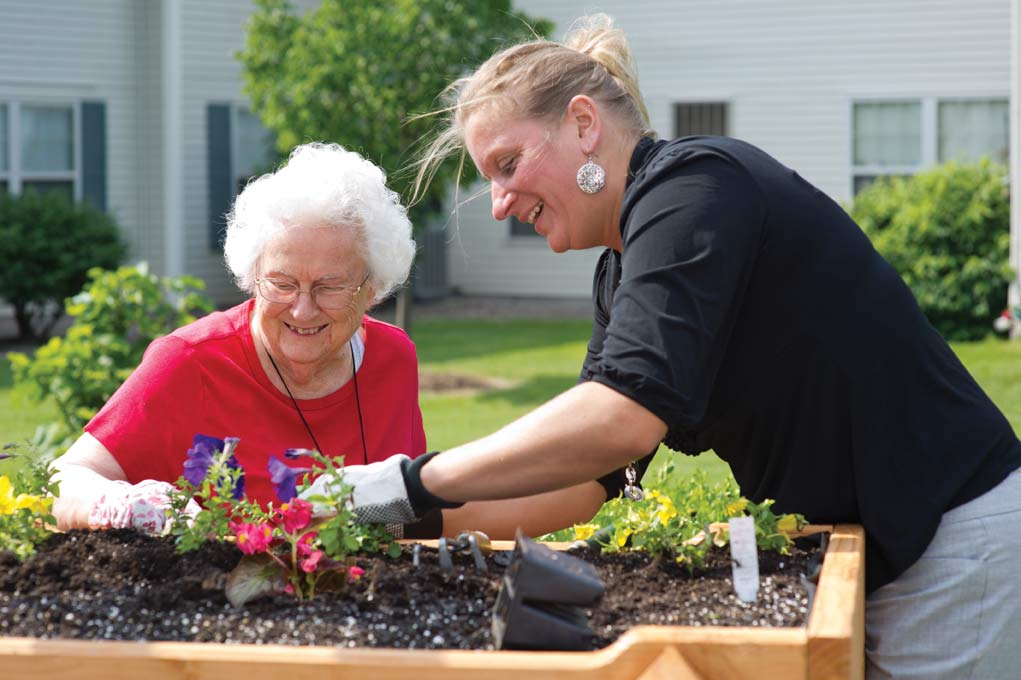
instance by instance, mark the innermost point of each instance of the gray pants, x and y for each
(956, 613)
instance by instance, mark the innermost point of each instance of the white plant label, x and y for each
(744, 557)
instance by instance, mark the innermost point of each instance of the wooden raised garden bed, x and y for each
(829, 647)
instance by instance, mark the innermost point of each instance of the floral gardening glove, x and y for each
(140, 506)
(387, 492)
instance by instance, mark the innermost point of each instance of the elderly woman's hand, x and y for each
(140, 506)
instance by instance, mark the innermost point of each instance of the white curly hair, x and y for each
(322, 184)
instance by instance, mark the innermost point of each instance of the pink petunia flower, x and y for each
(304, 544)
(310, 563)
(252, 538)
(296, 514)
(354, 573)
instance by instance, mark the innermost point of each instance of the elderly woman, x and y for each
(299, 364)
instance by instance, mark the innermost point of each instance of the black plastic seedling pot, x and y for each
(543, 598)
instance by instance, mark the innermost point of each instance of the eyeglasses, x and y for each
(326, 296)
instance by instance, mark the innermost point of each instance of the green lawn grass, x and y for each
(996, 365)
(18, 417)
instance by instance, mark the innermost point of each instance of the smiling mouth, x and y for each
(536, 211)
(305, 331)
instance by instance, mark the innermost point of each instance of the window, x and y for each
(39, 148)
(900, 137)
(238, 148)
(700, 118)
(254, 148)
(969, 130)
(887, 140)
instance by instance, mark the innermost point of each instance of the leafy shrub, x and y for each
(116, 316)
(47, 244)
(946, 231)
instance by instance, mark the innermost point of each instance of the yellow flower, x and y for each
(37, 505)
(737, 507)
(622, 537)
(666, 511)
(7, 502)
(583, 531)
(10, 504)
(788, 524)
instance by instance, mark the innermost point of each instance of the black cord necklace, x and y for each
(358, 403)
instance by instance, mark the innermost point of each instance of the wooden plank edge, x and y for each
(705, 649)
(836, 641)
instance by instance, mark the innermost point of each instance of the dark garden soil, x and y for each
(121, 585)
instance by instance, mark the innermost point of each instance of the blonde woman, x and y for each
(738, 309)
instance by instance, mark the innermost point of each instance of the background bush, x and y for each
(115, 317)
(47, 244)
(947, 232)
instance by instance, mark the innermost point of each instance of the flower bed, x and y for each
(829, 646)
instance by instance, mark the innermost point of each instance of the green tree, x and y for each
(357, 72)
(947, 232)
(47, 244)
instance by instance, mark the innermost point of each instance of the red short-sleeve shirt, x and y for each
(205, 378)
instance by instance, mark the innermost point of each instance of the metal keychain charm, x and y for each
(632, 490)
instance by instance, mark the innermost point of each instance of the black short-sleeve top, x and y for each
(754, 317)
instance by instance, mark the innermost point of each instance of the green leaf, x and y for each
(254, 576)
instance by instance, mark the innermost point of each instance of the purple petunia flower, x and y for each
(200, 457)
(239, 485)
(284, 478)
(293, 454)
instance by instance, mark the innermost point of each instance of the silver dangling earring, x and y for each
(591, 177)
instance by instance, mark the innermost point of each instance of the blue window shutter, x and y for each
(221, 188)
(94, 153)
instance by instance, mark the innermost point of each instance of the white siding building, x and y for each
(137, 106)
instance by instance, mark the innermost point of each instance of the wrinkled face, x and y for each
(532, 168)
(302, 332)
